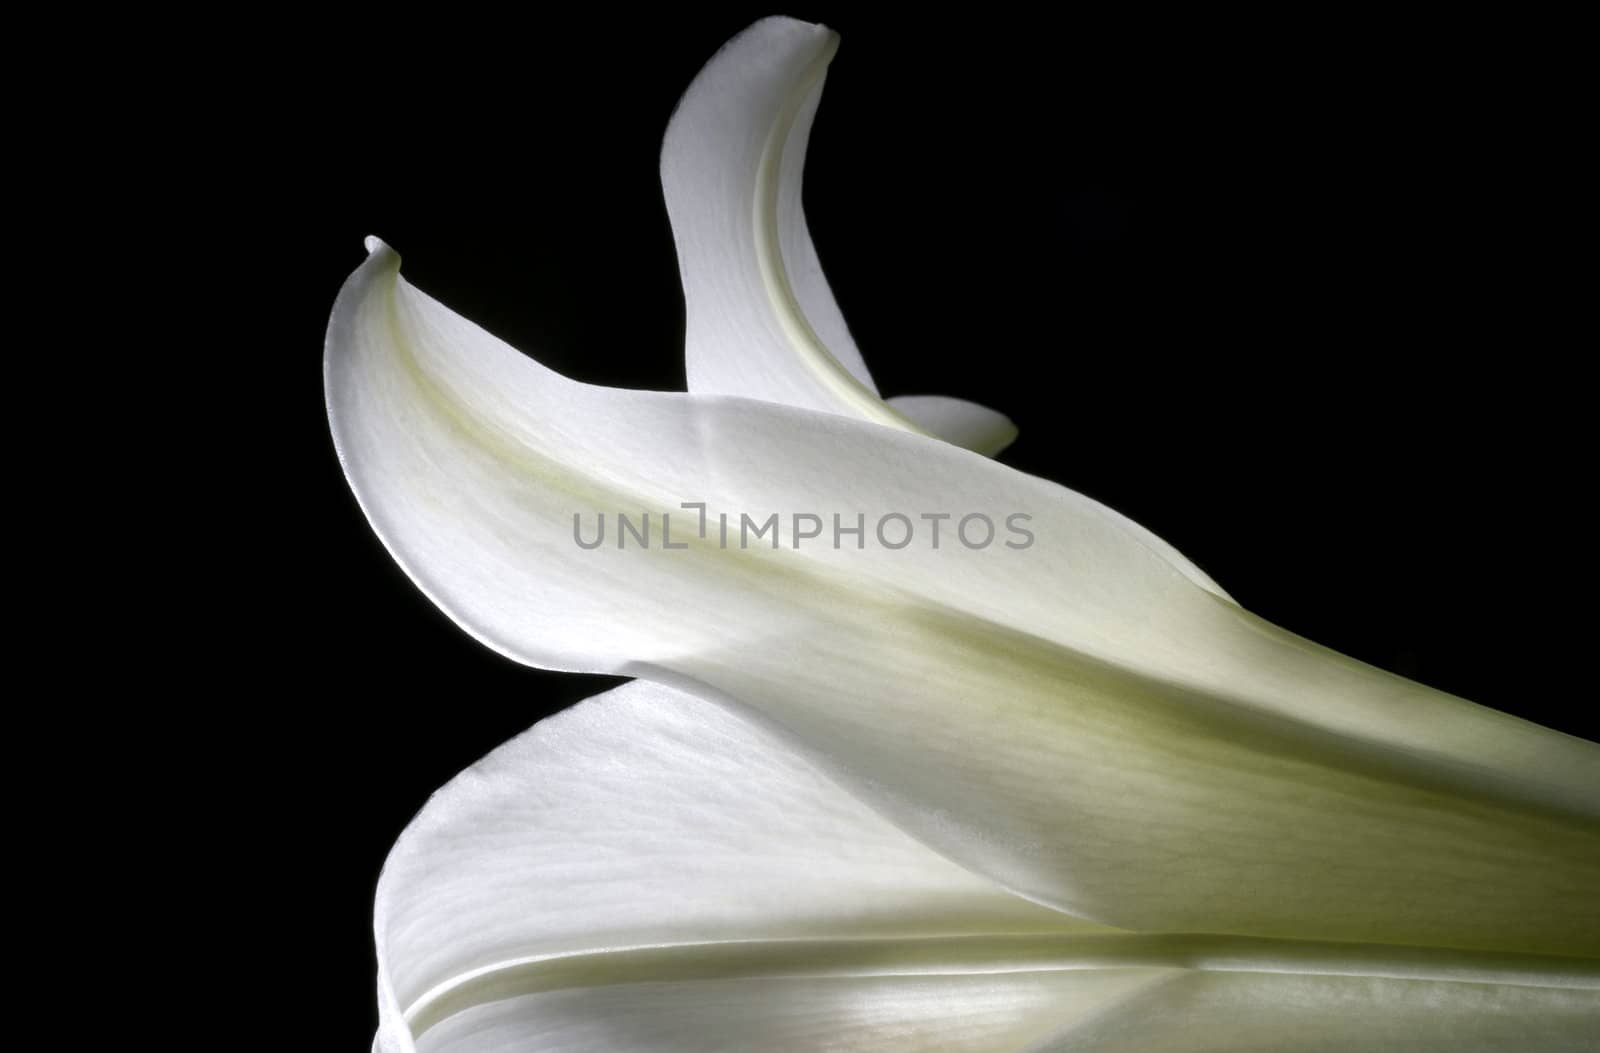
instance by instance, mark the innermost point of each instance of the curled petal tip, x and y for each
(380, 254)
(795, 24)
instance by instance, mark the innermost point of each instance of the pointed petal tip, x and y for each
(377, 247)
(791, 34)
(796, 25)
(380, 256)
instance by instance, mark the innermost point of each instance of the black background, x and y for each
(1293, 295)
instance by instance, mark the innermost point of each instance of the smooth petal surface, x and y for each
(1080, 719)
(841, 1014)
(761, 320)
(647, 818)
(1202, 1012)
(967, 424)
(648, 871)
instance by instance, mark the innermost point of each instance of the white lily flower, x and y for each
(1047, 796)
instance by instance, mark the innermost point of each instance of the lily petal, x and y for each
(1206, 1012)
(1079, 720)
(594, 884)
(978, 428)
(643, 820)
(611, 826)
(761, 320)
(837, 1014)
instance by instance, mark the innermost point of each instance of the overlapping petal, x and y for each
(648, 836)
(648, 871)
(1078, 720)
